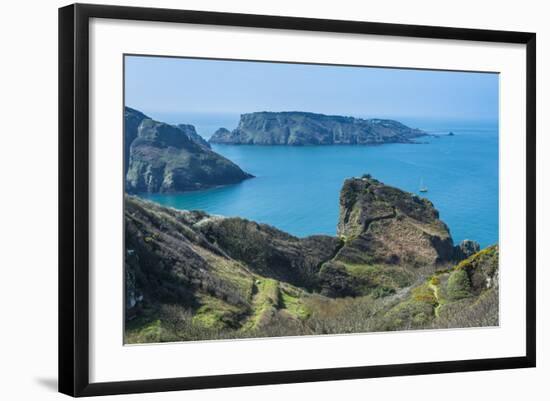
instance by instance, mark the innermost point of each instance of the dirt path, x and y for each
(435, 290)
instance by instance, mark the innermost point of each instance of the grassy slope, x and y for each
(429, 304)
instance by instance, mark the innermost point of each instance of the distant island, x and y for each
(160, 157)
(301, 128)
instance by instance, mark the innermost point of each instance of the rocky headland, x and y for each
(302, 128)
(391, 266)
(160, 157)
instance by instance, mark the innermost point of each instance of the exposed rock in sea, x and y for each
(301, 128)
(466, 249)
(161, 157)
(220, 133)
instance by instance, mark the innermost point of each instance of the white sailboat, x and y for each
(423, 188)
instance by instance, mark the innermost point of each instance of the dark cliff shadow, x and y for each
(49, 383)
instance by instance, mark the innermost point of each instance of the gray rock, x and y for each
(191, 133)
(466, 249)
(383, 224)
(161, 157)
(301, 128)
(132, 120)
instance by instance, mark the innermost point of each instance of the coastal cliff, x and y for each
(161, 157)
(392, 266)
(301, 128)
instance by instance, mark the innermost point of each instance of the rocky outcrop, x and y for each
(132, 120)
(383, 224)
(166, 158)
(191, 133)
(301, 128)
(466, 249)
(481, 269)
(391, 237)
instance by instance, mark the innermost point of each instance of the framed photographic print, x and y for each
(249, 199)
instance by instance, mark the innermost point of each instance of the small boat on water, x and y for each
(423, 188)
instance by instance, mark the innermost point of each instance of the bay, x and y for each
(296, 189)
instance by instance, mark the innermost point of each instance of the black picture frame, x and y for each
(74, 192)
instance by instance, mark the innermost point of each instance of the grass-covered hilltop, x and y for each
(392, 266)
(301, 128)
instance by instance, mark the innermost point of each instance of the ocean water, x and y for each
(296, 189)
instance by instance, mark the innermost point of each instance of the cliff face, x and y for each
(191, 133)
(190, 275)
(165, 158)
(300, 128)
(132, 119)
(387, 225)
(391, 238)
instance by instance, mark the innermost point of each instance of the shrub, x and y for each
(458, 285)
(407, 315)
(424, 294)
(380, 292)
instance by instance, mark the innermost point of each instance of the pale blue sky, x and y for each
(178, 85)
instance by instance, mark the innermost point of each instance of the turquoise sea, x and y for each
(296, 189)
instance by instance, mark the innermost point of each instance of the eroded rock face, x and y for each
(301, 128)
(383, 224)
(132, 120)
(191, 133)
(466, 248)
(167, 158)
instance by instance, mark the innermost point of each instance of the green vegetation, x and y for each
(191, 276)
(143, 330)
(265, 302)
(293, 303)
(459, 286)
(424, 293)
(216, 314)
(378, 280)
(408, 315)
